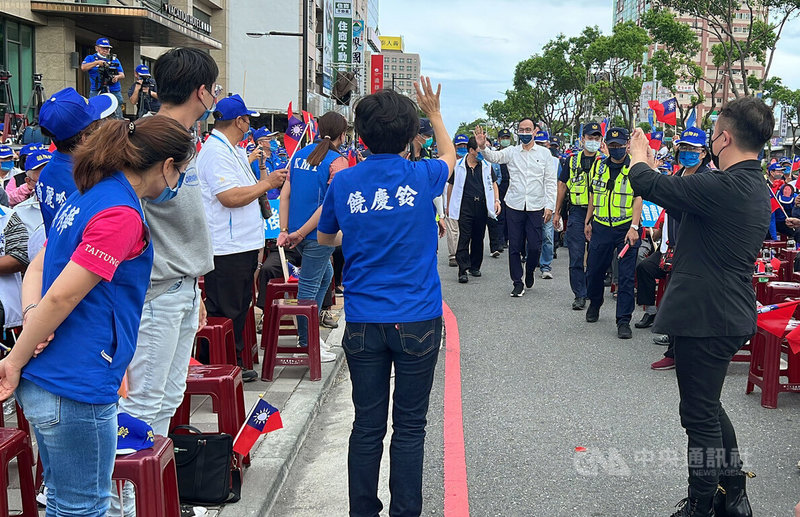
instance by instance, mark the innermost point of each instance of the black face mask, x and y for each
(714, 156)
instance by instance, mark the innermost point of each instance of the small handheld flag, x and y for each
(263, 419)
(666, 111)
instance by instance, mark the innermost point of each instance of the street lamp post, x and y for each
(304, 36)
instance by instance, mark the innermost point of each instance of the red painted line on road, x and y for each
(456, 497)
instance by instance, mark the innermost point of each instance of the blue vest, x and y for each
(309, 184)
(55, 185)
(94, 345)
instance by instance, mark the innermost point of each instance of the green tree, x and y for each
(467, 127)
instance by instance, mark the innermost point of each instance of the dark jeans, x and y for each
(700, 366)
(606, 243)
(576, 244)
(229, 290)
(371, 349)
(522, 226)
(471, 228)
(647, 271)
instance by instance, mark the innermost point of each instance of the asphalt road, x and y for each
(538, 381)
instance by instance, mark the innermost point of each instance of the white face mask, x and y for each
(592, 146)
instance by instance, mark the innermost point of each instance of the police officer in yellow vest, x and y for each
(573, 183)
(612, 221)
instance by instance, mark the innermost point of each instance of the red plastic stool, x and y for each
(223, 383)
(777, 292)
(221, 343)
(661, 288)
(152, 472)
(760, 285)
(765, 366)
(22, 425)
(269, 339)
(277, 289)
(249, 335)
(774, 245)
(15, 443)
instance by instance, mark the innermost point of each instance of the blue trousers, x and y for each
(576, 244)
(607, 242)
(548, 236)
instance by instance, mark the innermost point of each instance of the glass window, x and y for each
(16, 57)
(200, 15)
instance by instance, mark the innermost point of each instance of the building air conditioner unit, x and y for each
(318, 39)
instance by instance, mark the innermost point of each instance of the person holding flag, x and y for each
(719, 243)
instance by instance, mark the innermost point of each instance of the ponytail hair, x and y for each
(133, 146)
(331, 126)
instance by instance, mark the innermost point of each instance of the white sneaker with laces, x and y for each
(326, 357)
(547, 275)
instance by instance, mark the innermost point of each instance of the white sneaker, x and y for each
(41, 497)
(547, 275)
(326, 357)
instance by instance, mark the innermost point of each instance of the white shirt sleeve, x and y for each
(502, 156)
(550, 182)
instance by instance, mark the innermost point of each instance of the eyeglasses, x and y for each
(216, 91)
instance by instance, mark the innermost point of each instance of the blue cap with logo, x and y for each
(541, 136)
(461, 139)
(555, 141)
(693, 136)
(66, 113)
(142, 70)
(774, 167)
(102, 42)
(133, 434)
(30, 148)
(263, 132)
(592, 128)
(37, 159)
(617, 135)
(504, 133)
(6, 152)
(425, 127)
(231, 107)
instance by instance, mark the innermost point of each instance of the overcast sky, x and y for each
(472, 47)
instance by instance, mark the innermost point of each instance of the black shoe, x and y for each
(530, 277)
(578, 304)
(695, 507)
(523, 258)
(555, 254)
(607, 281)
(338, 290)
(463, 278)
(593, 313)
(475, 272)
(517, 291)
(249, 375)
(646, 321)
(731, 497)
(624, 331)
(496, 253)
(662, 340)
(452, 263)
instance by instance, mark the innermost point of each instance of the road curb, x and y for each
(275, 453)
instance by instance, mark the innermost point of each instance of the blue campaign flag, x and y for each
(272, 226)
(650, 214)
(692, 120)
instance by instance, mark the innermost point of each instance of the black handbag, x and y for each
(205, 465)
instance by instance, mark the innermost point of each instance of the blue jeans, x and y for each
(546, 257)
(316, 275)
(77, 443)
(371, 349)
(118, 95)
(576, 244)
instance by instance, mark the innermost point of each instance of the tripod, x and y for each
(37, 97)
(9, 111)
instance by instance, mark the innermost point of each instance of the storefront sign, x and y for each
(376, 73)
(186, 18)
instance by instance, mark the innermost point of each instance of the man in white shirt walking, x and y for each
(530, 200)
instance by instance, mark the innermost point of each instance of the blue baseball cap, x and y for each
(592, 128)
(555, 141)
(66, 113)
(6, 152)
(774, 167)
(231, 107)
(461, 139)
(617, 135)
(30, 148)
(541, 136)
(133, 434)
(37, 158)
(693, 136)
(102, 42)
(425, 127)
(142, 70)
(263, 132)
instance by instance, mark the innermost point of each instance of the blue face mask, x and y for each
(525, 138)
(689, 158)
(7, 166)
(480, 157)
(169, 193)
(428, 142)
(617, 153)
(461, 151)
(273, 145)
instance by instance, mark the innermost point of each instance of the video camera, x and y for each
(108, 71)
(147, 81)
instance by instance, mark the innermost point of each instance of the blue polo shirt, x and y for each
(384, 208)
(55, 185)
(94, 75)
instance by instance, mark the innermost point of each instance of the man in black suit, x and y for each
(709, 305)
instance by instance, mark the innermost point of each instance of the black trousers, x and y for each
(471, 228)
(701, 365)
(647, 271)
(522, 226)
(229, 289)
(496, 237)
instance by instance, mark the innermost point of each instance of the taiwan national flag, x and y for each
(656, 139)
(603, 126)
(294, 134)
(666, 111)
(796, 164)
(263, 419)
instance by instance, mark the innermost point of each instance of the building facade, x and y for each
(52, 37)
(400, 68)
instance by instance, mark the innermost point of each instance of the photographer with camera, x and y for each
(105, 73)
(142, 92)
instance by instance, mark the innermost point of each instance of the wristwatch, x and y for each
(635, 227)
(285, 230)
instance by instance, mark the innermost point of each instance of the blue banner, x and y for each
(650, 214)
(272, 226)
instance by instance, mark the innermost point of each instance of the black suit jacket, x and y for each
(725, 217)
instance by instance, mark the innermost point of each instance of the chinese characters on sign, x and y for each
(650, 214)
(376, 73)
(342, 35)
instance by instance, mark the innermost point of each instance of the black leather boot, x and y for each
(694, 506)
(731, 497)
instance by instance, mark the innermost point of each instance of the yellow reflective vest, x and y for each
(612, 206)
(578, 182)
